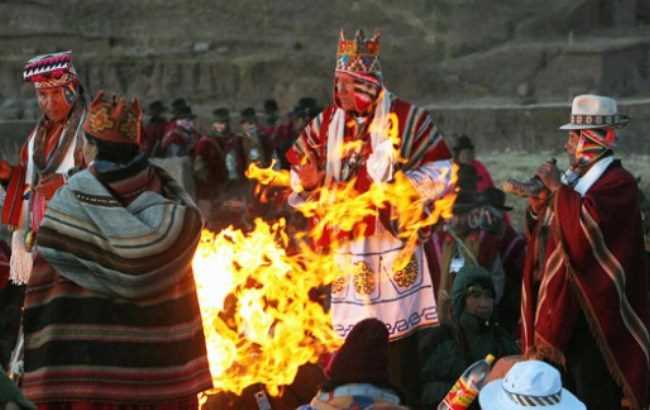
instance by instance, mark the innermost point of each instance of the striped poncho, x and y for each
(111, 313)
(585, 257)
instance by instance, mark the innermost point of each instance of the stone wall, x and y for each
(535, 128)
(493, 128)
(239, 53)
(527, 54)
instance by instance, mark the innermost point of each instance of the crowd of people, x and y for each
(98, 296)
(220, 155)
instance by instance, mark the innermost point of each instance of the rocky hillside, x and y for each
(441, 52)
(240, 52)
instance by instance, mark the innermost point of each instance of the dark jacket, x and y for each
(451, 348)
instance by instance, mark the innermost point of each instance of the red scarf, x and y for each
(593, 262)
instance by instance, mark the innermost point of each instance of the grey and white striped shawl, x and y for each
(111, 312)
(129, 252)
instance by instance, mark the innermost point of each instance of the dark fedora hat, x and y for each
(309, 102)
(466, 201)
(495, 198)
(221, 114)
(463, 142)
(248, 114)
(181, 109)
(156, 108)
(270, 105)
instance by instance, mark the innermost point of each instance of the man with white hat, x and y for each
(585, 290)
(529, 385)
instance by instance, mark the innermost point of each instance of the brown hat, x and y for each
(114, 119)
(363, 358)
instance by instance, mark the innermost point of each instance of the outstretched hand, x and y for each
(309, 173)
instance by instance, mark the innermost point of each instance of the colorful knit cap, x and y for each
(593, 143)
(114, 119)
(50, 70)
(359, 56)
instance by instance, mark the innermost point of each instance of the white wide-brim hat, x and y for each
(529, 385)
(594, 111)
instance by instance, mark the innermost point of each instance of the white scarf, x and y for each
(380, 162)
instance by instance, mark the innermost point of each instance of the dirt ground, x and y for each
(522, 165)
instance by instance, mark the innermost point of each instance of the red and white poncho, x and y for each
(403, 300)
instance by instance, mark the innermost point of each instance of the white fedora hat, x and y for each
(594, 111)
(529, 385)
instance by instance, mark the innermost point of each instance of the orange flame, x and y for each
(260, 324)
(259, 321)
(268, 176)
(343, 207)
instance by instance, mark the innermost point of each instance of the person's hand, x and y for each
(538, 202)
(308, 172)
(550, 176)
(5, 170)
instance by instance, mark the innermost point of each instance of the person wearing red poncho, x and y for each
(210, 174)
(363, 117)
(585, 290)
(464, 153)
(181, 133)
(154, 131)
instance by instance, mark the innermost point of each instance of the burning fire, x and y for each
(254, 288)
(268, 176)
(259, 321)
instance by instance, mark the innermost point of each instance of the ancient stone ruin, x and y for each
(501, 70)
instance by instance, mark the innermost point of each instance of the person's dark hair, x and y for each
(114, 152)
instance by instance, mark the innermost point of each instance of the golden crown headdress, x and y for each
(359, 55)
